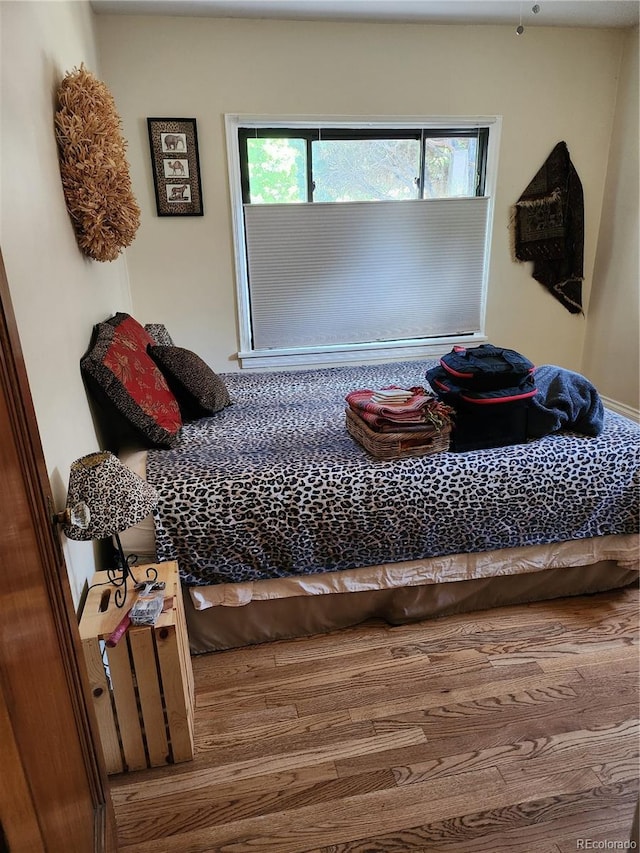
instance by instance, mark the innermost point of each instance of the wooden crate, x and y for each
(397, 445)
(143, 687)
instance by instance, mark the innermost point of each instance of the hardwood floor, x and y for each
(507, 731)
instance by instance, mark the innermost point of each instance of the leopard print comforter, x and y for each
(274, 485)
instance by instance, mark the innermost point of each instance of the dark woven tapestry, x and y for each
(548, 228)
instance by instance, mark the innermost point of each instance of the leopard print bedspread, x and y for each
(274, 485)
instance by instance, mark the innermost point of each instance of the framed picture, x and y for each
(176, 167)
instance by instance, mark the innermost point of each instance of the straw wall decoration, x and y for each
(94, 170)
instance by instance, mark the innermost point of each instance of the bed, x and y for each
(284, 526)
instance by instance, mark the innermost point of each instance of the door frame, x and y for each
(28, 499)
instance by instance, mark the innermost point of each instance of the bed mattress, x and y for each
(274, 489)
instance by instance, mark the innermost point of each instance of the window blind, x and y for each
(355, 272)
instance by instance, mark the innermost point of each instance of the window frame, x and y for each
(330, 134)
(244, 125)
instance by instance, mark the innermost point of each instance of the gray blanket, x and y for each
(565, 400)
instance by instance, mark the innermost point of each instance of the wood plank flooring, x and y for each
(508, 731)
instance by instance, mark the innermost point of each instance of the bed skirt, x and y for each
(219, 628)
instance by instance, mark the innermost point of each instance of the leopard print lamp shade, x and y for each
(115, 497)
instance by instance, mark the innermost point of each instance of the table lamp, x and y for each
(104, 498)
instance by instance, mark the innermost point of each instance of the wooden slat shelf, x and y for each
(143, 687)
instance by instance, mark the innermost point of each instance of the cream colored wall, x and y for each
(549, 85)
(611, 354)
(57, 293)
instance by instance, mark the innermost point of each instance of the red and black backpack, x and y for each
(490, 389)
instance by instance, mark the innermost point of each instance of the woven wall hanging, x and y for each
(547, 227)
(94, 170)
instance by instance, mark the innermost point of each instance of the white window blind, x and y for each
(355, 272)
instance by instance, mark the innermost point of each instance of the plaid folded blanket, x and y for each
(420, 412)
(380, 424)
(362, 400)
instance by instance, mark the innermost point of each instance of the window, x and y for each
(281, 166)
(354, 239)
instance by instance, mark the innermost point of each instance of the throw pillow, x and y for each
(119, 368)
(199, 391)
(159, 333)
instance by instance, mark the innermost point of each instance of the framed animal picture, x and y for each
(176, 166)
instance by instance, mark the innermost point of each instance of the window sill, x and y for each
(353, 353)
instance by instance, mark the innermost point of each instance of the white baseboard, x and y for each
(621, 409)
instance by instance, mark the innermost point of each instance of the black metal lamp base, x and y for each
(119, 577)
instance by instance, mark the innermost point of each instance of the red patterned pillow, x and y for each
(117, 363)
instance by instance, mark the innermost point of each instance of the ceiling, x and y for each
(553, 13)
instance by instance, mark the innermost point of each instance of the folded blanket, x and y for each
(391, 395)
(380, 424)
(565, 400)
(362, 400)
(422, 411)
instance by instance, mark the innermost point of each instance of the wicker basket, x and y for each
(397, 445)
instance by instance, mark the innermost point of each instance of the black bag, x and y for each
(486, 367)
(490, 390)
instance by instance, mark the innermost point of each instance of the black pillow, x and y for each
(199, 391)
